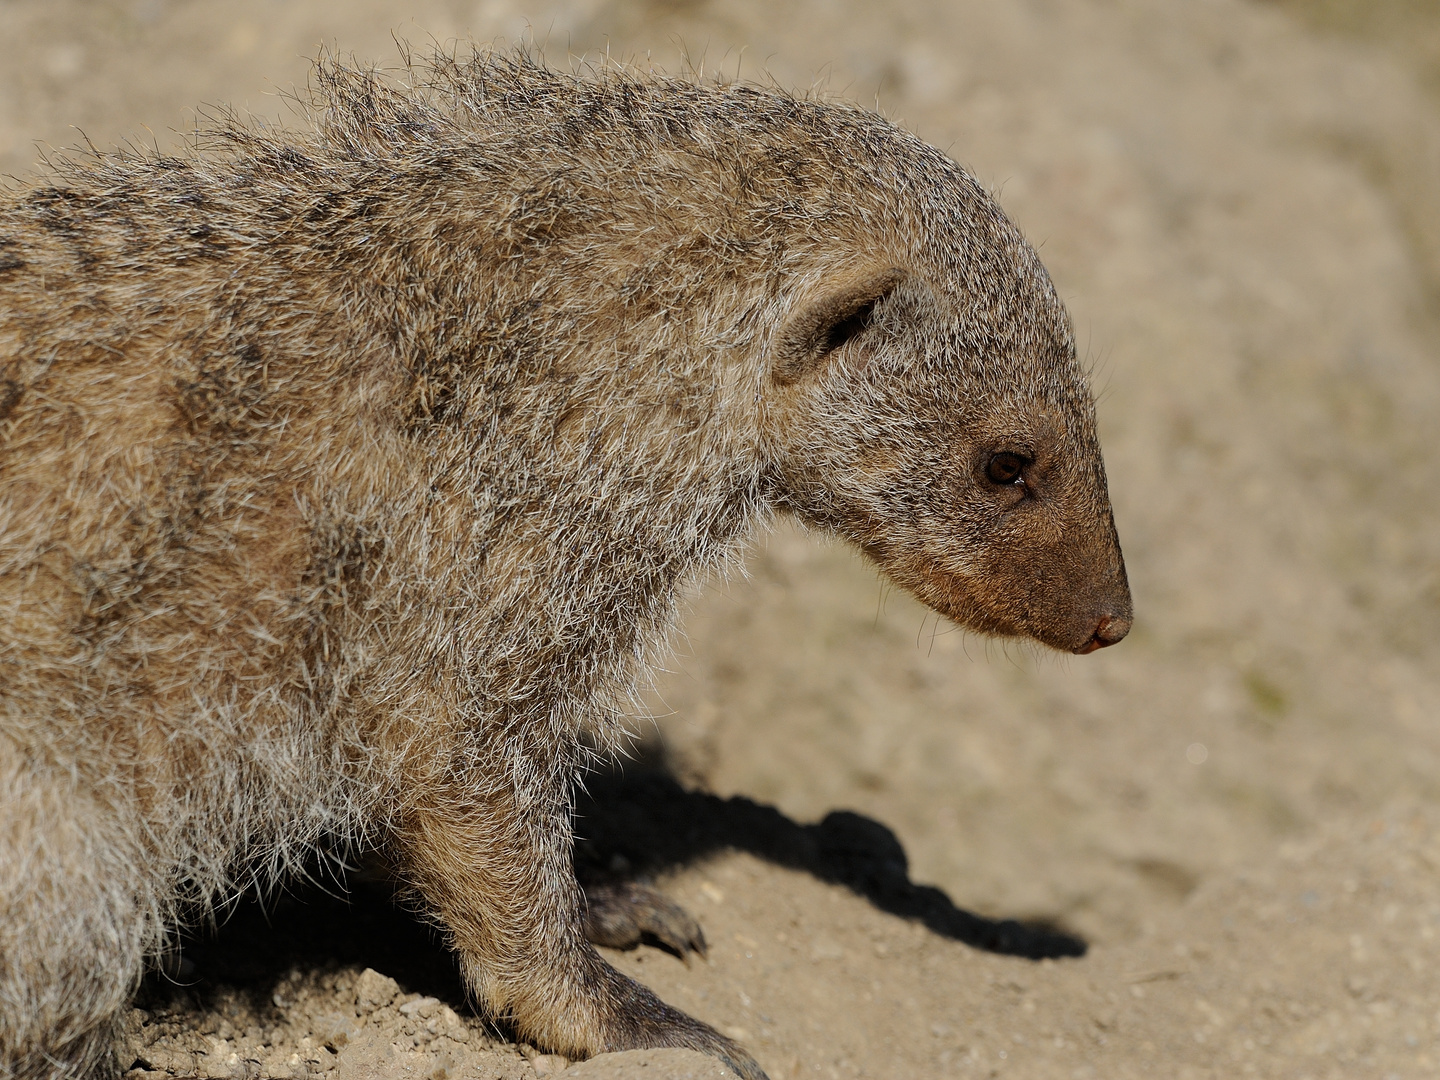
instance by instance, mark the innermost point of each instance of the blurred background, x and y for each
(1240, 202)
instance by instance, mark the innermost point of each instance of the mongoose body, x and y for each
(348, 476)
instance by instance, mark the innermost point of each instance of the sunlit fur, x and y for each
(348, 476)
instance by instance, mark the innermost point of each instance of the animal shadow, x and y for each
(629, 824)
(319, 924)
(642, 821)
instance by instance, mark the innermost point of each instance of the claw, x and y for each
(622, 915)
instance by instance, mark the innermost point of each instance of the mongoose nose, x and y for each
(1108, 631)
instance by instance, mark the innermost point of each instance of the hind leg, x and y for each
(496, 867)
(71, 948)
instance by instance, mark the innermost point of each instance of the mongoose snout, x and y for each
(1110, 629)
(351, 476)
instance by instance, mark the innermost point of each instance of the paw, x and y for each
(620, 915)
(640, 1020)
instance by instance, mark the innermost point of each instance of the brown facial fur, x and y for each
(348, 476)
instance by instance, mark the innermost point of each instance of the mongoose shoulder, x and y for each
(348, 475)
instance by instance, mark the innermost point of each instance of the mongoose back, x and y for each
(349, 475)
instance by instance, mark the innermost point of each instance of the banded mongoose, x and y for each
(349, 475)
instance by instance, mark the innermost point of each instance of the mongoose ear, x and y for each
(821, 323)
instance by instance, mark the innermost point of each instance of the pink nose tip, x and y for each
(1108, 631)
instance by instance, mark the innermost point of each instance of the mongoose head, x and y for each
(928, 406)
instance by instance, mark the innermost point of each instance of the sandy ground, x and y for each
(881, 822)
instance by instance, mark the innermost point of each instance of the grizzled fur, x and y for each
(347, 477)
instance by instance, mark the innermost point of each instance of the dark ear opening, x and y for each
(821, 324)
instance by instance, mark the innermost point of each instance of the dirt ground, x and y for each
(1213, 851)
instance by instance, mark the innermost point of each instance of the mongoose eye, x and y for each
(1006, 468)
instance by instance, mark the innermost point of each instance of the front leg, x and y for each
(495, 866)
